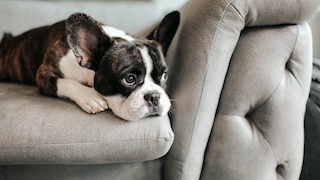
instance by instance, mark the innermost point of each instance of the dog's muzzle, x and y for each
(153, 100)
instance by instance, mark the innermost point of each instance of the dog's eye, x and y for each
(164, 77)
(129, 80)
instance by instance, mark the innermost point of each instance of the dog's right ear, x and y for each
(87, 39)
(166, 30)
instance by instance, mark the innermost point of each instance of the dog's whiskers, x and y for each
(171, 110)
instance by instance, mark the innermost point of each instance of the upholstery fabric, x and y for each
(200, 57)
(41, 130)
(259, 122)
(261, 12)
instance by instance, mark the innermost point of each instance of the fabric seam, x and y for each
(84, 143)
(202, 89)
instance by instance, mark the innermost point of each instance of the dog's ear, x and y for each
(166, 30)
(87, 39)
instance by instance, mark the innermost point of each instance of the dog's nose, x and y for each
(152, 98)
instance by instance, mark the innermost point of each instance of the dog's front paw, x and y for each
(86, 97)
(91, 101)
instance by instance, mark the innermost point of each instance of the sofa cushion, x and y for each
(36, 129)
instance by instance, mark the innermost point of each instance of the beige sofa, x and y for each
(240, 74)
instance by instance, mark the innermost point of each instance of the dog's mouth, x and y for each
(153, 104)
(139, 105)
(153, 111)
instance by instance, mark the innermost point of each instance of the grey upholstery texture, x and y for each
(262, 110)
(240, 74)
(44, 130)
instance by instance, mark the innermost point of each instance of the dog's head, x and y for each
(130, 71)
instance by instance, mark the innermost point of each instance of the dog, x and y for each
(97, 66)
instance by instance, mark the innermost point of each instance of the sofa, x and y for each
(239, 80)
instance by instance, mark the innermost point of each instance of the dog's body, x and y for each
(68, 58)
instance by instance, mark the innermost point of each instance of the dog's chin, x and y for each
(134, 115)
(132, 111)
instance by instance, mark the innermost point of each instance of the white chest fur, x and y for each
(70, 68)
(74, 85)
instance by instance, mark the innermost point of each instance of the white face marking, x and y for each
(70, 68)
(135, 107)
(113, 32)
(132, 108)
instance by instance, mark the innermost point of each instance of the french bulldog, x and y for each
(95, 65)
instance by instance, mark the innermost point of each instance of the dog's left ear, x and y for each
(166, 30)
(87, 39)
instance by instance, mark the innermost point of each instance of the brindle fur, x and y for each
(32, 60)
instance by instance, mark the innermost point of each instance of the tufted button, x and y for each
(280, 169)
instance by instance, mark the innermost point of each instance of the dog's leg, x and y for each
(51, 82)
(86, 97)
(46, 78)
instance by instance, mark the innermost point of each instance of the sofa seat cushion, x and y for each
(36, 129)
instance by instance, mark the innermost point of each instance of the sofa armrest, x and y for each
(258, 132)
(272, 12)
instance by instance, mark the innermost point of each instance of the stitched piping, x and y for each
(204, 82)
(83, 143)
(291, 57)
